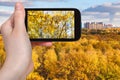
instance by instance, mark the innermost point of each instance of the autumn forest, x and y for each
(96, 56)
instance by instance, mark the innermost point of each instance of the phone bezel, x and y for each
(77, 23)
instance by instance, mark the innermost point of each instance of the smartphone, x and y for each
(53, 24)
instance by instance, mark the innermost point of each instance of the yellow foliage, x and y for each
(86, 59)
(35, 60)
(50, 57)
(34, 76)
(43, 24)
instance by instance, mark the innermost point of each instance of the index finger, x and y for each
(41, 44)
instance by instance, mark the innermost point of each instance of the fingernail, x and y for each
(18, 6)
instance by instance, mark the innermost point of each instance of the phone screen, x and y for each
(51, 24)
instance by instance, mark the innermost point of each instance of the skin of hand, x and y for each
(18, 63)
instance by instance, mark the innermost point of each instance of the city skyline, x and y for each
(97, 25)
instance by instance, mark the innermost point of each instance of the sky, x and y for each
(6, 9)
(80, 4)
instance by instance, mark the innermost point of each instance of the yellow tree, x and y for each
(51, 24)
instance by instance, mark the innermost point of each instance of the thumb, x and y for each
(19, 17)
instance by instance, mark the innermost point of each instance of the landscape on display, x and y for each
(50, 24)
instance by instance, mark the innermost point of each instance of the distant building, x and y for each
(87, 25)
(108, 25)
(94, 25)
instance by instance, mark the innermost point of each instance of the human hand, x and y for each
(18, 63)
(41, 44)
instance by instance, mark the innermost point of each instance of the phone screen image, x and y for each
(51, 24)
